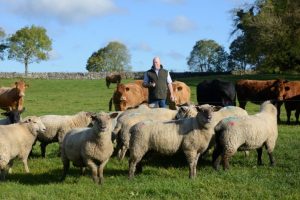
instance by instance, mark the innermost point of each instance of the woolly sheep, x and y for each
(58, 125)
(246, 133)
(16, 141)
(157, 114)
(191, 135)
(90, 147)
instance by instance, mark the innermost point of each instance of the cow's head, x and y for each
(280, 89)
(21, 86)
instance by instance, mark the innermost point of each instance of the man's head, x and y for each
(156, 62)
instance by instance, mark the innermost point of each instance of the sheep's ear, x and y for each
(28, 120)
(184, 108)
(93, 116)
(198, 108)
(113, 115)
(217, 108)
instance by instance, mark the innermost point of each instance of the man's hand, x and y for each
(151, 84)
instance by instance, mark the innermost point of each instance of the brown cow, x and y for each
(12, 97)
(258, 91)
(129, 95)
(114, 78)
(182, 94)
(290, 95)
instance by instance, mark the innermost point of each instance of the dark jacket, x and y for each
(160, 90)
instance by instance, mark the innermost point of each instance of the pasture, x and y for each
(163, 177)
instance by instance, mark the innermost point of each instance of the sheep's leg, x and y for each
(215, 157)
(2, 174)
(259, 153)
(43, 146)
(100, 171)
(66, 166)
(123, 152)
(270, 147)
(195, 164)
(272, 160)
(10, 164)
(24, 160)
(192, 157)
(225, 158)
(132, 166)
(94, 169)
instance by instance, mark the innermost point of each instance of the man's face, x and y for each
(156, 63)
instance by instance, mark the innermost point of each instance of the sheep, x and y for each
(90, 147)
(191, 135)
(13, 116)
(246, 133)
(58, 125)
(157, 114)
(16, 141)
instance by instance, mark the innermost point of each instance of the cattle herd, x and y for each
(89, 139)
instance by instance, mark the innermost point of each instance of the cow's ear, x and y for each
(179, 88)
(127, 89)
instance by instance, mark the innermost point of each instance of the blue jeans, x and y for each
(158, 103)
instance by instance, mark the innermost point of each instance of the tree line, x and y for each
(266, 38)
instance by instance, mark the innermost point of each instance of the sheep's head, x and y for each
(102, 121)
(35, 124)
(205, 113)
(186, 112)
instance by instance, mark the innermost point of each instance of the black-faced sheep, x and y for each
(246, 133)
(13, 116)
(89, 147)
(16, 140)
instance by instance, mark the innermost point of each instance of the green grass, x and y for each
(163, 177)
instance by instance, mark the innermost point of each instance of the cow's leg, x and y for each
(278, 105)
(297, 113)
(288, 115)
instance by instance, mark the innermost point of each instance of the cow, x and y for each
(129, 95)
(114, 78)
(182, 94)
(290, 95)
(216, 92)
(12, 98)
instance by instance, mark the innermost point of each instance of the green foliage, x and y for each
(28, 45)
(3, 45)
(163, 177)
(207, 56)
(270, 31)
(114, 57)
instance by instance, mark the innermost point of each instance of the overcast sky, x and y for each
(165, 28)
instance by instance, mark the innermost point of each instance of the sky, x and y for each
(165, 28)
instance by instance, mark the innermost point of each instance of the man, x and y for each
(158, 81)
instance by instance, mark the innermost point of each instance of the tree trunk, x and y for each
(26, 67)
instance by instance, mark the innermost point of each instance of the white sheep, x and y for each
(16, 140)
(246, 133)
(91, 147)
(58, 125)
(157, 114)
(191, 135)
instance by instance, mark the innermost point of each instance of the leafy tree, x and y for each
(114, 57)
(28, 45)
(237, 59)
(207, 56)
(271, 34)
(3, 45)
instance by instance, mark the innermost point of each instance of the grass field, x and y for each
(163, 177)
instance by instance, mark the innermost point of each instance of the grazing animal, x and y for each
(58, 125)
(191, 135)
(16, 140)
(128, 95)
(11, 98)
(181, 93)
(216, 92)
(114, 78)
(89, 147)
(13, 116)
(246, 133)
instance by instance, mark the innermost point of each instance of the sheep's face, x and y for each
(205, 113)
(36, 124)
(102, 121)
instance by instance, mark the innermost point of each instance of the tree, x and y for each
(3, 44)
(207, 56)
(28, 45)
(114, 57)
(270, 31)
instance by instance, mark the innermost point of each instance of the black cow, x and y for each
(216, 92)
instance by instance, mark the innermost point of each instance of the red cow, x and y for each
(182, 94)
(114, 78)
(12, 97)
(129, 95)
